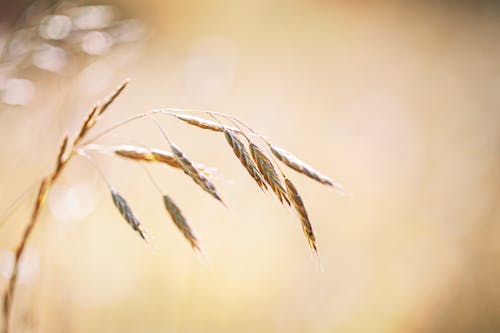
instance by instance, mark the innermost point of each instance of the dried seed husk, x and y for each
(180, 221)
(127, 213)
(62, 158)
(87, 124)
(133, 152)
(203, 123)
(154, 155)
(192, 171)
(165, 157)
(200, 122)
(298, 165)
(97, 110)
(110, 99)
(242, 154)
(267, 170)
(300, 208)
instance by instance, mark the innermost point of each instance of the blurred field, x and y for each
(400, 102)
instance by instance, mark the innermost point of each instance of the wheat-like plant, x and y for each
(258, 162)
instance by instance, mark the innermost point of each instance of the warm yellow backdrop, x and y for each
(399, 102)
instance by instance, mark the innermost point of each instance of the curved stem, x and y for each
(159, 127)
(89, 158)
(113, 127)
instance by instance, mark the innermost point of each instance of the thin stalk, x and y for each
(89, 158)
(113, 127)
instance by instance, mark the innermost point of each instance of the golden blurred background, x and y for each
(399, 101)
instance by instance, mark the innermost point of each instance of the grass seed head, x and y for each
(242, 154)
(298, 165)
(192, 171)
(127, 213)
(180, 222)
(266, 168)
(300, 208)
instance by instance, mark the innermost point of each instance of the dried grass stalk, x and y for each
(242, 154)
(298, 165)
(127, 213)
(65, 154)
(266, 168)
(180, 221)
(8, 296)
(192, 171)
(298, 204)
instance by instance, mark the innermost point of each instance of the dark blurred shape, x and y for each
(56, 37)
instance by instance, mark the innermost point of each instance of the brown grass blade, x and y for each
(266, 168)
(298, 165)
(180, 221)
(241, 152)
(127, 213)
(298, 204)
(192, 171)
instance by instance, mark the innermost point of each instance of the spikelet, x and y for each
(165, 157)
(242, 154)
(192, 171)
(155, 155)
(87, 124)
(199, 122)
(97, 110)
(180, 221)
(203, 123)
(110, 99)
(62, 158)
(134, 153)
(266, 168)
(127, 213)
(298, 204)
(298, 165)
